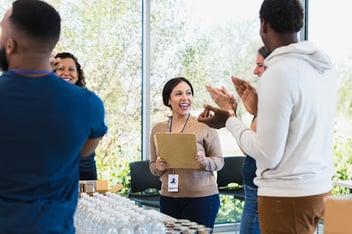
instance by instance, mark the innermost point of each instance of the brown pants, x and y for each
(290, 215)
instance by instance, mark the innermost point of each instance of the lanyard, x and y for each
(31, 72)
(184, 126)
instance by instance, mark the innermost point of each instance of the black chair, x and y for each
(145, 186)
(231, 173)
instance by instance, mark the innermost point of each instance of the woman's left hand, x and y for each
(200, 158)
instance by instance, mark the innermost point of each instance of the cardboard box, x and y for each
(100, 186)
(338, 215)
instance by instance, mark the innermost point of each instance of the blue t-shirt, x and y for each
(44, 123)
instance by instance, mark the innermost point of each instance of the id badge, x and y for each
(173, 183)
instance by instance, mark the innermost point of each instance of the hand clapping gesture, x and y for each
(222, 98)
(216, 117)
(247, 93)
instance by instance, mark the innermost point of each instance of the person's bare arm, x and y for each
(89, 146)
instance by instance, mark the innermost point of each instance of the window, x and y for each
(326, 28)
(206, 42)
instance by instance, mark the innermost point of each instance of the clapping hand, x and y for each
(247, 93)
(222, 98)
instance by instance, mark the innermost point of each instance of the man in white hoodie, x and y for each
(293, 145)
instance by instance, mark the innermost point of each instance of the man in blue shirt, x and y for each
(46, 125)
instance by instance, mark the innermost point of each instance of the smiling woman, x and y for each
(69, 69)
(181, 196)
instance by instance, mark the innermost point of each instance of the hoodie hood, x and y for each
(304, 50)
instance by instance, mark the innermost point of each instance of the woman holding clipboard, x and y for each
(187, 193)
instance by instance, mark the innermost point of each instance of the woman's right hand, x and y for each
(161, 164)
(54, 62)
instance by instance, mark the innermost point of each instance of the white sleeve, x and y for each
(267, 145)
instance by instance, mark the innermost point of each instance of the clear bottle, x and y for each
(111, 227)
(124, 226)
(141, 226)
(157, 225)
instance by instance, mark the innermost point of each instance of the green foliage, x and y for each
(345, 95)
(342, 163)
(230, 210)
(115, 170)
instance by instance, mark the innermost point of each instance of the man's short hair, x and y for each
(37, 19)
(283, 16)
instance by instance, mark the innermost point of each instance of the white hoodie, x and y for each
(293, 144)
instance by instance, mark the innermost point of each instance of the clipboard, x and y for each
(177, 149)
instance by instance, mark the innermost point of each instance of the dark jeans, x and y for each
(250, 219)
(202, 210)
(88, 175)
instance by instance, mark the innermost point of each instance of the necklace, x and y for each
(184, 126)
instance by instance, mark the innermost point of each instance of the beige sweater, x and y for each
(192, 183)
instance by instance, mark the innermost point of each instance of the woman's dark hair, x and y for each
(170, 85)
(284, 16)
(38, 20)
(81, 79)
(263, 51)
